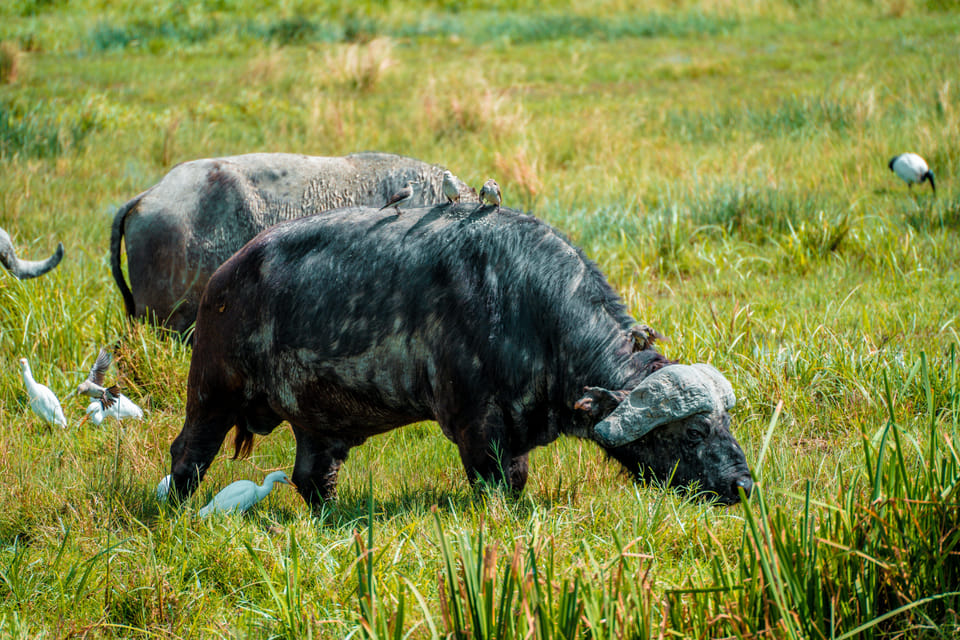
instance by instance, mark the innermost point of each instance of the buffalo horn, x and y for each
(672, 393)
(24, 269)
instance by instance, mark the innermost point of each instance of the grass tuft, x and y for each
(360, 67)
(11, 62)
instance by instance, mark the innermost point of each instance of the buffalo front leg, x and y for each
(486, 454)
(317, 465)
(194, 449)
(493, 466)
(517, 473)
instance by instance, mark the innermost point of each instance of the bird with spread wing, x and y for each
(93, 385)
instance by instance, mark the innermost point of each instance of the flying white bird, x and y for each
(400, 197)
(243, 494)
(43, 401)
(93, 385)
(912, 169)
(121, 408)
(163, 488)
(490, 193)
(450, 188)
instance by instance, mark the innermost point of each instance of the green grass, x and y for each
(726, 166)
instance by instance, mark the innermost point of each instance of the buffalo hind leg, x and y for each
(317, 466)
(194, 449)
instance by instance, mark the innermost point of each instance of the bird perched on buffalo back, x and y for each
(450, 188)
(400, 197)
(912, 169)
(490, 193)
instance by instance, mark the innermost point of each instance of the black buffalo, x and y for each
(358, 321)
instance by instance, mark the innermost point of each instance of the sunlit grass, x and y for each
(724, 163)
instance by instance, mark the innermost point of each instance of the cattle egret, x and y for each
(243, 494)
(43, 401)
(912, 169)
(120, 409)
(490, 193)
(163, 488)
(450, 188)
(93, 385)
(400, 197)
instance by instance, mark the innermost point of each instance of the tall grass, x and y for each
(478, 27)
(725, 165)
(881, 558)
(40, 129)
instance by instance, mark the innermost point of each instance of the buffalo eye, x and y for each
(696, 433)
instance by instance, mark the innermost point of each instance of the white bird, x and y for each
(450, 188)
(43, 401)
(163, 488)
(243, 494)
(912, 169)
(93, 385)
(400, 197)
(490, 193)
(120, 408)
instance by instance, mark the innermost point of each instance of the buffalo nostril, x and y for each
(745, 483)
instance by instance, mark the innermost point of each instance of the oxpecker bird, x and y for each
(43, 401)
(450, 188)
(400, 197)
(490, 193)
(93, 385)
(243, 494)
(912, 169)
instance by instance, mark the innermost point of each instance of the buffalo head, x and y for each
(674, 428)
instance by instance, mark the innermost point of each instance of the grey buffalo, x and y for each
(358, 321)
(24, 269)
(184, 227)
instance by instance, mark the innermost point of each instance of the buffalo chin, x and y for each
(693, 489)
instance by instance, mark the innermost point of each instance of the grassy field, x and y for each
(724, 163)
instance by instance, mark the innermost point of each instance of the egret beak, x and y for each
(85, 418)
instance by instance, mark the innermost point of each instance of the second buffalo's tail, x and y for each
(116, 240)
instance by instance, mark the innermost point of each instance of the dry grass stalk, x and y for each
(360, 66)
(11, 60)
(520, 172)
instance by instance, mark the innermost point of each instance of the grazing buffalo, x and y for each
(358, 321)
(180, 230)
(24, 269)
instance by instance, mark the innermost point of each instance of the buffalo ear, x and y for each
(599, 402)
(643, 336)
